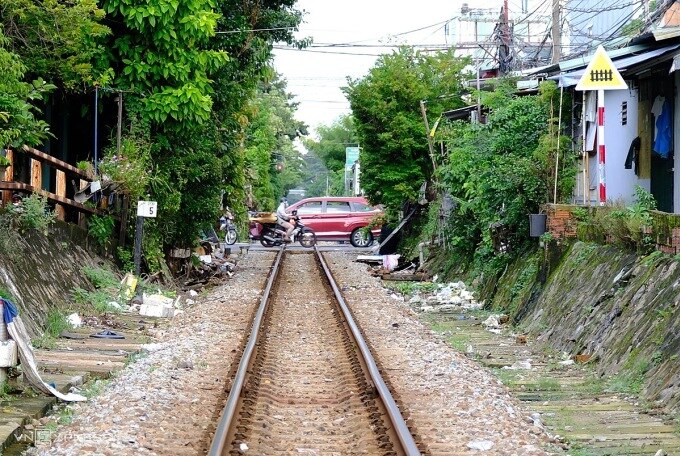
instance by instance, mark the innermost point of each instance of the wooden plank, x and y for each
(36, 173)
(12, 186)
(9, 172)
(369, 258)
(61, 191)
(55, 162)
(81, 217)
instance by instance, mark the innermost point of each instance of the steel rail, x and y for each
(400, 427)
(221, 433)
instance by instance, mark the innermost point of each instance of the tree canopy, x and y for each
(330, 151)
(189, 71)
(394, 153)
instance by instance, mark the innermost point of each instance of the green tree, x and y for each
(18, 121)
(273, 164)
(62, 42)
(394, 158)
(500, 172)
(330, 149)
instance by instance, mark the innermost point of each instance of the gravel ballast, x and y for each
(454, 405)
(167, 402)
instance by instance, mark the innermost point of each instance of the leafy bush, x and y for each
(34, 214)
(126, 258)
(101, 278)
(501, 171)
(100, 227)
(628, 226)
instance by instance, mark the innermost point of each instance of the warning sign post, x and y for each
(601, 74)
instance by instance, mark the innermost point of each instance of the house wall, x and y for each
(621, 128)
(676, 147)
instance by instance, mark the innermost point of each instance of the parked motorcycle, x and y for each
(271, 234)
(229, 227)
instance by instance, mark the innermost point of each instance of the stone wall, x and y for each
(601, 301)
(42, 270)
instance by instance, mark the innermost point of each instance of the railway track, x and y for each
(306, 382)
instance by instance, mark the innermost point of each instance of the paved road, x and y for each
(325, 246)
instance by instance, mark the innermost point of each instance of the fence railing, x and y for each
(10, 181)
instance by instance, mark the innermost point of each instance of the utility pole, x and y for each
(427, 133)
(504, 48)
(556, 32)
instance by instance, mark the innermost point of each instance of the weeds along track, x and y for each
(307, 386)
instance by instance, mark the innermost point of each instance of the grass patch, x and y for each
(55, 324)
(134, 357)
(507, 376)
(410, 288)
(95, 387)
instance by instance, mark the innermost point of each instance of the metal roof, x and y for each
(571, 78)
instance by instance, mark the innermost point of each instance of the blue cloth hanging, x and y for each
(664, 131)
(9, 310)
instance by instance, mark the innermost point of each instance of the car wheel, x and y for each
(361, 237)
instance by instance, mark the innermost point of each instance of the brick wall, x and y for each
(561, 223)
(665, 230)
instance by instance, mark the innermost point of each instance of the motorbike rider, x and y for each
(283, 218)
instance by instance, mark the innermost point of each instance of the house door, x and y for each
(662, 181)
(662, 162)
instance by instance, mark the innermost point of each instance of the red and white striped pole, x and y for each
(601, 147)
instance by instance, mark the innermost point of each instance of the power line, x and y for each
(257, 30)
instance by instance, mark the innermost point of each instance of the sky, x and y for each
(315, 76)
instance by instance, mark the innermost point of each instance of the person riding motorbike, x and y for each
(283, 218)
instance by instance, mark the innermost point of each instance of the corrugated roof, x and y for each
(571, 78)
(582, 61)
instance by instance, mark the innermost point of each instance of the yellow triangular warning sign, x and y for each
(601, 74)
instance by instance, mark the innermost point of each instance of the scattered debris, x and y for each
(519, 365)
(492, 322)
(583, 358)
(74, 320)
(107, 334)
(482, 445)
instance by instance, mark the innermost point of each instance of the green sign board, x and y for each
(351, 155)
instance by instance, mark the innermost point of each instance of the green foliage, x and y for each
(62, 41)
(18, 121)
(410, 288)
(501, 171)
(101, 277)
(55, 324)
(100, 228)
(126, 258)
(131, 166)
(107, 289)
(34, 214)
(630, 227)
(330, 150)
(394, 156)
(5, 294)
(273, 165)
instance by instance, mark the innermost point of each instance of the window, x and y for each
(337, 206)
(313, 207)
(361, 207)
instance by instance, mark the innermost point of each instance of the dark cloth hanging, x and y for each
(633, 156)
